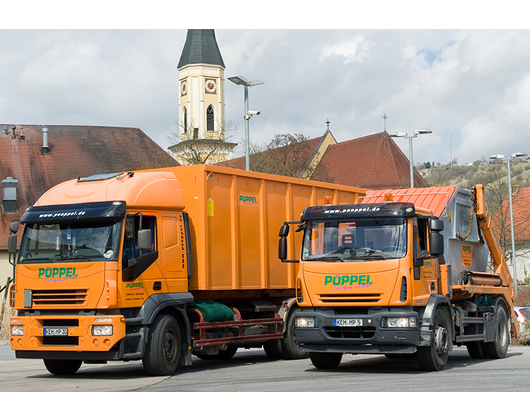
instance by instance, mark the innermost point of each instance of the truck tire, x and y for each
(273, 349)
(288, 348)
(476, 350)
(434, 356)
(325, 360)
(62, 367)
(162, 354)
(498, 348)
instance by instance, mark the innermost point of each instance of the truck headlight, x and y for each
(17, 330)
(305, 322)
(405, 322)
(101, 329)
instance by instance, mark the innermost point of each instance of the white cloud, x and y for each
(353, 50)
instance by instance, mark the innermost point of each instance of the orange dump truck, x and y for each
(402, 273)
(159, 265)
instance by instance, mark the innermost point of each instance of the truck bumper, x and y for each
(45, 334)
(368, 336)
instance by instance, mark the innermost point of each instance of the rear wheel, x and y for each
(163, 349)
(434, 357)
(476, 350)
(498, 348)
(273, 349)
(62, 367)
(222, 355)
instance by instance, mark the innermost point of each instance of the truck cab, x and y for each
(363, 269)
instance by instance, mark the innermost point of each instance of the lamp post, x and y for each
(514, 263)
(240, 80)
(411, 157)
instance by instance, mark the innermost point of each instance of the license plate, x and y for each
(348, 322)
(55, 331)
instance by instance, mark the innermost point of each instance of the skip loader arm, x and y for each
(500, 266)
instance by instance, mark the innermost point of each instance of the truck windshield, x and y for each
(359, 240)
(59, 242)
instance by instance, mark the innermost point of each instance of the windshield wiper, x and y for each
(74, 257)
(38, 259)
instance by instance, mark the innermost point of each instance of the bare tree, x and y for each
(194, 151)
(287, 155)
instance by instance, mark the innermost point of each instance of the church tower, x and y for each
(202, 129)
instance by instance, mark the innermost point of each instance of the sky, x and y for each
(460, 71)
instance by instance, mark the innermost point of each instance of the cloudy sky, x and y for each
(471, 87)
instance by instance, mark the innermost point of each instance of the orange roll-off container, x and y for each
(235, 217)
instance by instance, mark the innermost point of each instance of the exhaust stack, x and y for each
(45, 148)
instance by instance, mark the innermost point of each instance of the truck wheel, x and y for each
(162, 354)
(434, 357)
(289, 350)
(498, 348)
(62, 367)
(222, 355)
(476, 350)
(325, 360)
(273, 349)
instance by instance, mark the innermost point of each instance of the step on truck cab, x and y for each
(403, 272)
(157, 266)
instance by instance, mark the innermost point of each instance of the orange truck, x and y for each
(403, 272)
(158, 266)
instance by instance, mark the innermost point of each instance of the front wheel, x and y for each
(62, 367)
(162, 355)
(434, 356)
(325, 360)
(288, 348)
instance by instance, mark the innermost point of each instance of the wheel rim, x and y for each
(441, 340)
(170, 346)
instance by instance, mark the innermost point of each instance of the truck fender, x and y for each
(285, 310)
(426, 315)
(172, 303)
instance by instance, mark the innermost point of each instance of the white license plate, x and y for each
(55, 331)
(348, 322)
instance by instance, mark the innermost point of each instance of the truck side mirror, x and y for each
(144, 240)
(436, 225)
(13, 227)
(282, 245)
(282, 248)
(436, 243)
(436, 239)
(12, 244)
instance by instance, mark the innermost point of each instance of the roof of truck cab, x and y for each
(434, 199)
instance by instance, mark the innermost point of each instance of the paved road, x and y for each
(252, 371)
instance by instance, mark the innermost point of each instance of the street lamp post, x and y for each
(240, 80)
(411, 157)
(514, 263)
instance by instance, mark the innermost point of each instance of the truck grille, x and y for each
(349, 332)
(59, 297)
(350, 298)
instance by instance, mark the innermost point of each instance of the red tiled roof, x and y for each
(75, 151)
(373, 161)
(521, 218)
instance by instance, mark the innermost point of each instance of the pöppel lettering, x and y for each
(56, 272)
(350, 280)
(247, 199)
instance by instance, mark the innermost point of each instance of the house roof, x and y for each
(311, 146)
(521, 218)
(373, 161)
(74, 151)
(201, 48)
